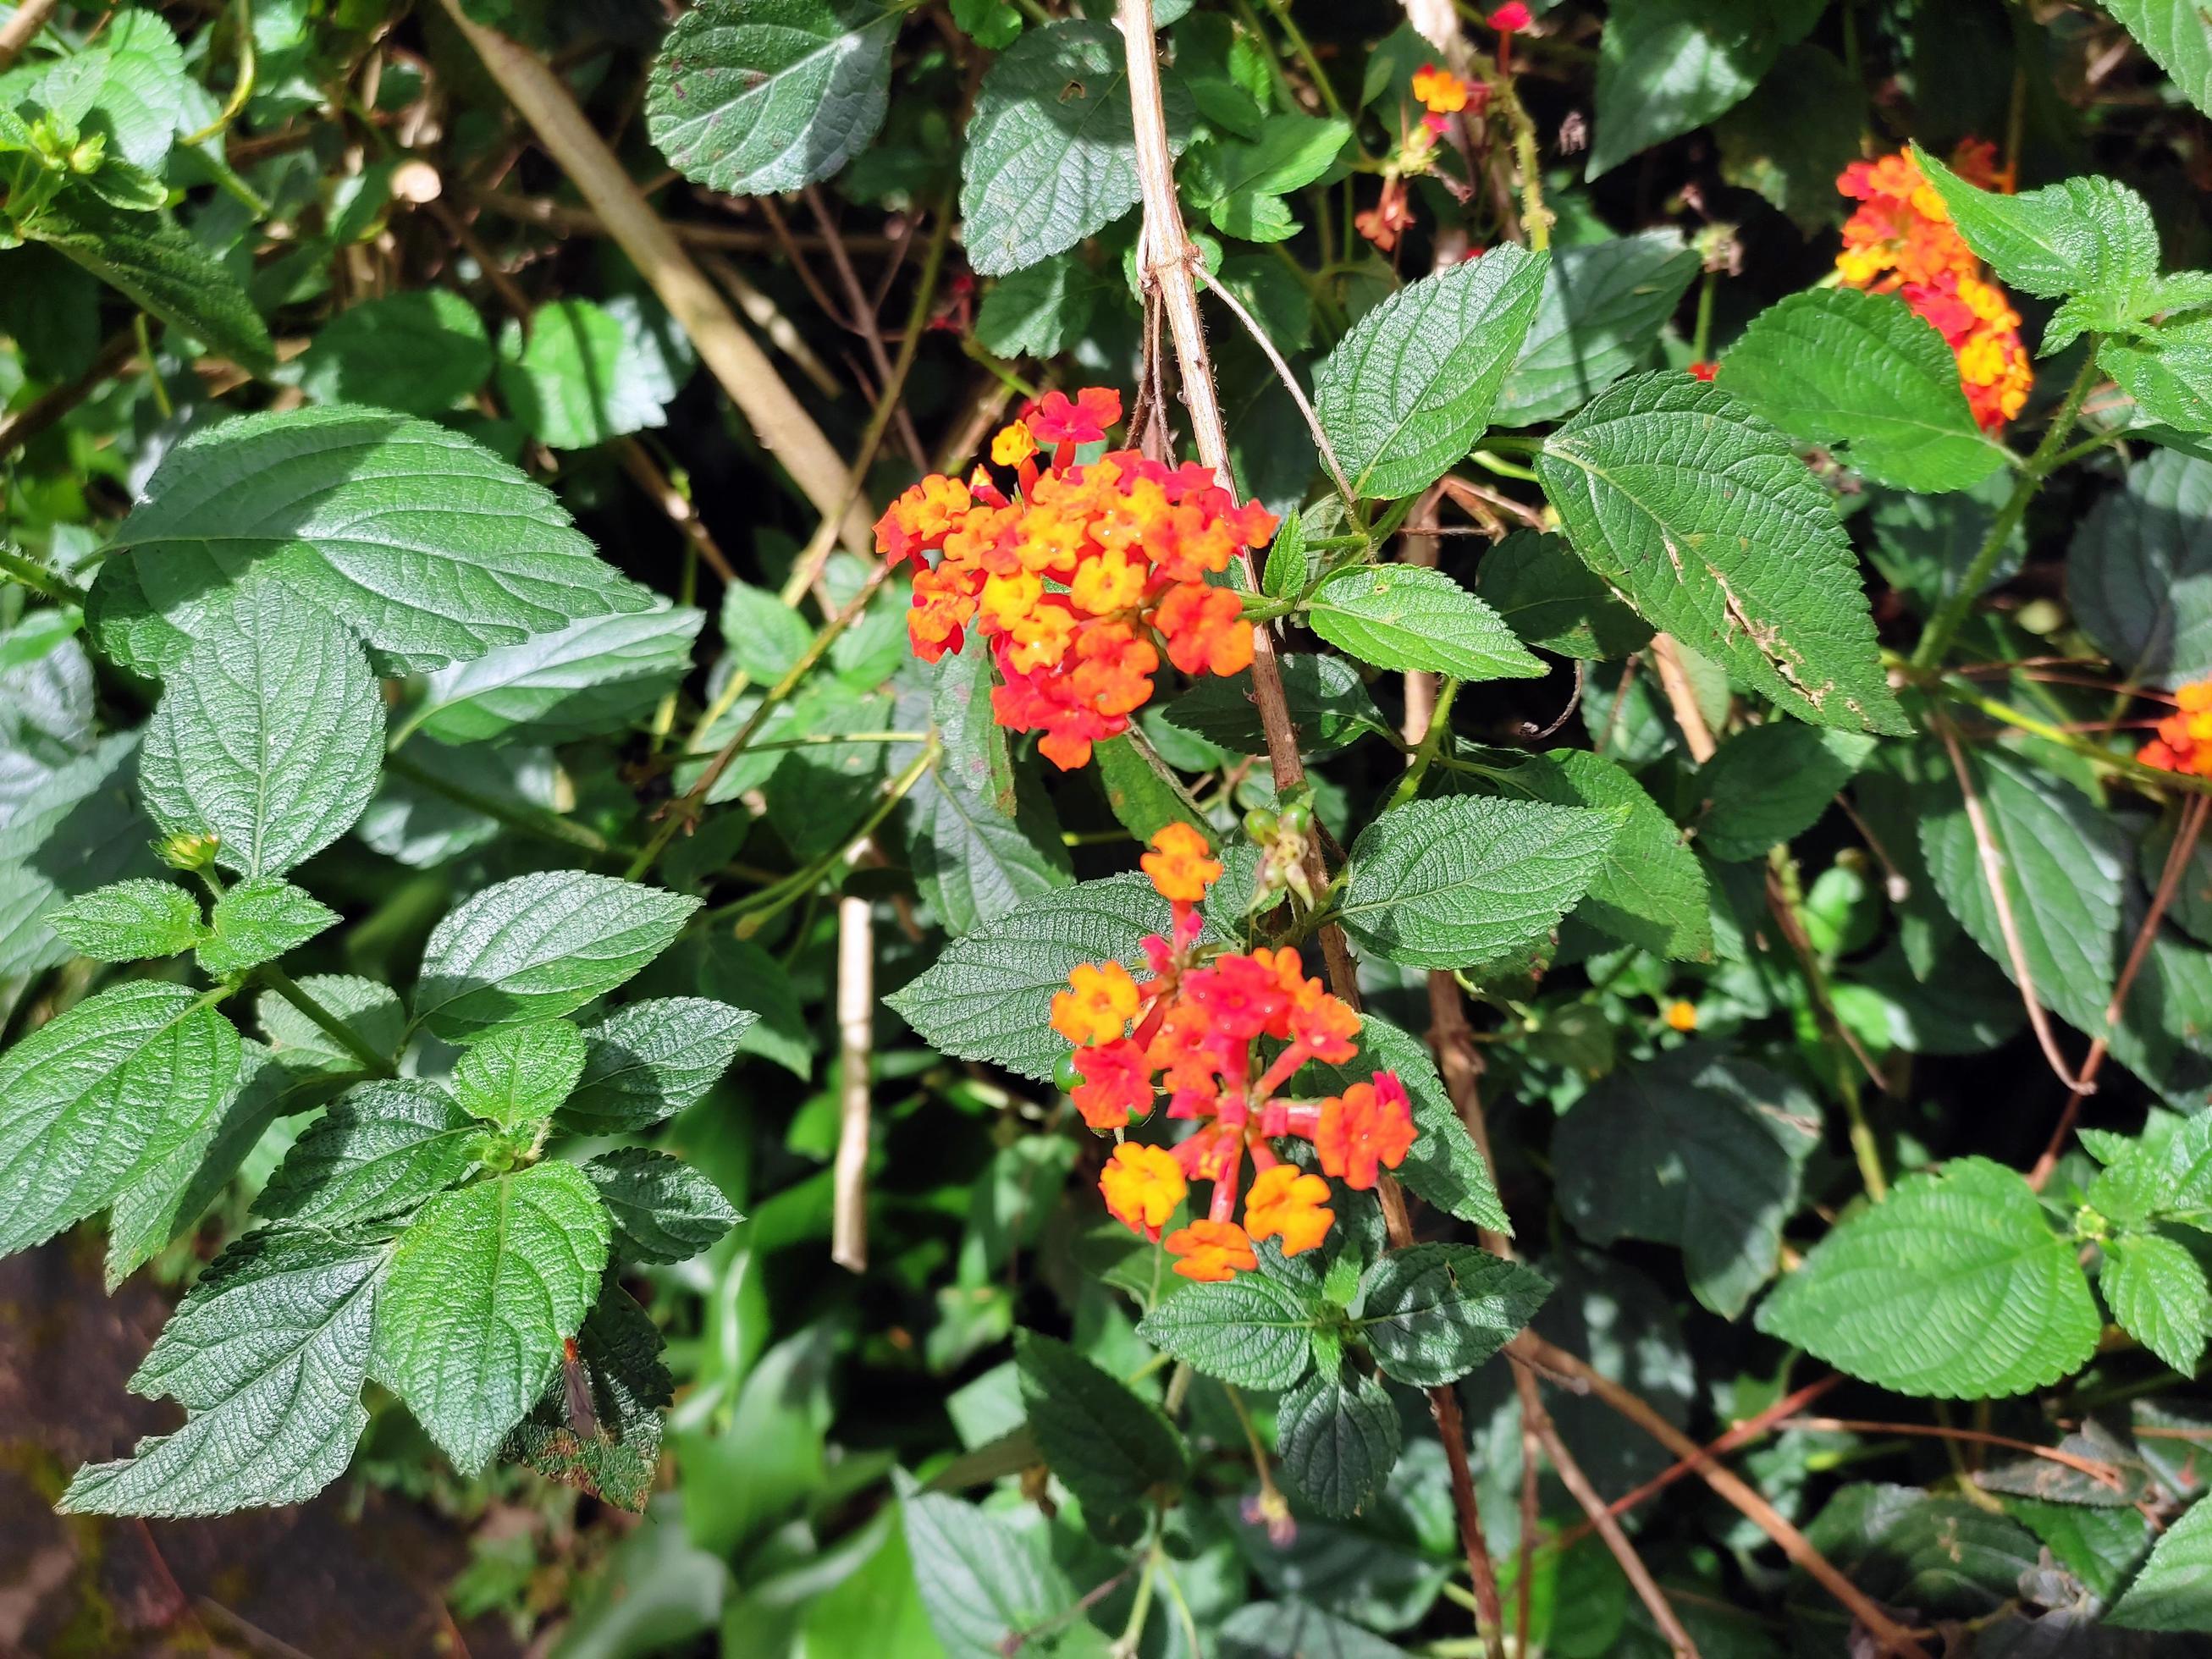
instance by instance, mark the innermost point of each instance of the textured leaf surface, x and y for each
(1338, 1439)
(2173, 1592)
(984, 1575)
(2179, 41)
(754, 97)
(1327, 704)
(1693, 1148)
(1051, 154)
(1665, 66)
(620, 1349)
(129, 920)
(267, 1356)
(2090, 237)
(1406, 393)
(370, 1010)
(1432, 1313)
(650, 1059)
(1955, 1288)
(2139, 573)
(379, 1151)
(270, 734)
(599, 676)
(420, 351)
(1554, 602)
(662, 1210)
(517, 1075)
(2157, 1291)
(430, 547)
(2168, 372)
(1448, 884)
(1837, 367)
(259, 920)
(1252, 1331)
(77, 828)
(1703, 515)
(1409, 617)
(1768, 784)
(99, 1094)
(1107, 1446)
(583, 375)
(161, 267)
(2168, 1178)
(1599, 317)
(1265, 1630)
(540, 946)
(483, 1286)
(1650, 890)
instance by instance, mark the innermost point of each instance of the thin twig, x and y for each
(1682, 698)
(2103, 1473)
(866, 324)
(642, 467)
(28, 19)
(856, 1003)
(1290, 384)
(42, 411)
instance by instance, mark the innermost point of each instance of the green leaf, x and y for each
(1409, 617)
(1768, 784)
(757, 97)
(419, 351)
(1693, 1148)
(1555, 602)
(2065, 870)
(1837, 367)
(131, 921)
(2091, 238)
(1409, 390)
(379, 1151)
(484, 1285)
(619, 1349)
(1288, 564)
(2157, 1291)
(1051, 155)
(432, 548)
(1943, 1556)
(1338, 1436)
(662, 1210)
(268, 735)
(988, 995)
(1324, 697)
(600, 676)
(765, 636)
(540, 947)
(98, 1094)
(516, 1076)
(267, 1356)
(650, 1059)
(1727, 542)
(421, 825)
(75, 828)
(2173, 1592)
(1955, 1288)
(580, 377)
(1431, 1312)
(1665, 67)
(986, 1578)
(259, 920)
(161, 269)
(2165, 1178)
(1240, 184)
(1651, 889)
(1142, 796)
(2168, 372)
(1040, 310)
(1266, 1630)
(2139, 573)
(1250, 1331)
(1790, 139)
(1448, 884)
(1599, 317)
(2179, 41)
(1114, 1450)
(371, 1010)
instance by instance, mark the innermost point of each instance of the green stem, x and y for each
(1304, 50)
(328, 1023)
(1865, 1149)
(1432, 741)
(515, 815)
(1513, 443)
(2110, 760)
(821, 738)
(15, 567)
(1504, 469)
(2040, 464)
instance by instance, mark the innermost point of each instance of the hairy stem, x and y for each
(326, 1022)
(20, 567)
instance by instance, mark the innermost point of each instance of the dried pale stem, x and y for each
(764, 314)
(2103, 1473)
(869, 326)
(28, 19)
(1682, 698)
(856, 1001)
(1290, 384)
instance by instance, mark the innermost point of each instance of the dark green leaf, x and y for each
(1768, 784)
(379, 1151)
(662, 1210)
(617, 1456)
(1338, 1436)
(650, 1059)
(2179, 41)
(1431, 1312)
(1555, 602)
(1250, 1331)
(163, 268)
(1650, 890)
(2139, 573)
(2173, 1591)
(1114, 1450)
(1665, 66)
(1600, 316)
(1327, 704)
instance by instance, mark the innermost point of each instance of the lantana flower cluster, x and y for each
(1901, 241)
(1192, 1028)
(1074, 576)
(2184, 743)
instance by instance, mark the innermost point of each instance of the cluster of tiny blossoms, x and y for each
(1901, 241)
(2184, 743)
(1190, 1028)
(1073, 576)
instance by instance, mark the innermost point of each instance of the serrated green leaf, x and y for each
(267, 1356)
(160, 268)
(2173, 1591)
(101, 1093)
(1284, 576)
(1554, 602)
(371, 1010)
(2178, 39)
(1338, 1437)
(1040, 310)
(603, 675)
(1250, 1331)
(1431, 1312)
(1768, 784)
(1665, 66)
(1051, 153)
(1955, 1288)
(618, 1457)
(2168, 372)
(1693, 1148)
(1599, 317)
(517, 1075)
(2157, 1291)
(2167, 1178)
(1797, 131)
(1143, 797)
(2139, 573)
(1837, 367)
(765, 635)
(2065, 870)
(258, 921)
(1448, 884)
(483, 1286)
(1410, 388)
(379, 1151)
(1650, 890)
(1114, 1450)
(76, 828)
(131, 921)
(1725, 541)
(1409, 617)
(1324, 697)
(580, 376)
(268, 735)
(650, 1059)
(420, 351)
(984, 1577)
(431, 548)
(540, 946)
(756, 97)
(662, 1210)
(1265, 1629)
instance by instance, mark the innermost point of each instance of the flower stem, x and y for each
(326, 1021)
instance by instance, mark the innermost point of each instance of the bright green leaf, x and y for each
(1431, 1312)
(2173, 1592)
(370, 1010)
(419, 351)
(1250, 1331)
(662, 1210)
(579, 376)
(1650, 890)
(516, 1076)
(1409, 617)
(258, 921)
(594, 677)
(131, 921)
(2157, 1291)
(650, 1059)
(2178, 39)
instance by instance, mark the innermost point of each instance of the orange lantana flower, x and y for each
(1211, 1251)
(1100, 1000)
(1284, 1202)
(1142, 1186)
(2184, 743)
(1180, 864)
(1441, 92)
(1366, 1130)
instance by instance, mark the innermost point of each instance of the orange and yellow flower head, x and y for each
(2184, 743)
(1082, 579)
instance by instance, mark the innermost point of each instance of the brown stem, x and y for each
(1681, 699)
(2103, 1473)
(866, 324)
(35, 417)
(642, 468)
(25, 21)
(1893, 1636)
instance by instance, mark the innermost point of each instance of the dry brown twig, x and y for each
(856, 1007)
